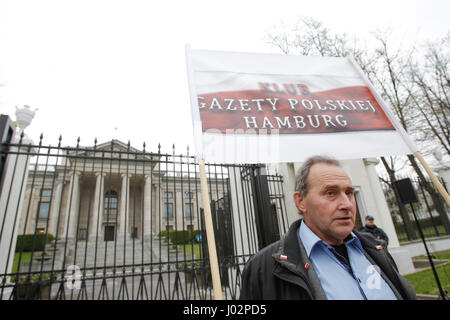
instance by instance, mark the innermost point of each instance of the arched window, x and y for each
(111, 202)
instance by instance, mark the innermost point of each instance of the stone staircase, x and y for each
(154, 254)
(153, 251)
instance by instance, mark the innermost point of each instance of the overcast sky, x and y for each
(116, 69)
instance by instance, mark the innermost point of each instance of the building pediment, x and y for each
(113, 149)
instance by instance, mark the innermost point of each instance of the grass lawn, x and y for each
(436, 255)
(191, 248)
(425, 283)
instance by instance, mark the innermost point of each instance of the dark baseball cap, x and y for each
(369, 218)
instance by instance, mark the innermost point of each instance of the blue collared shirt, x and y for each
(363, 281)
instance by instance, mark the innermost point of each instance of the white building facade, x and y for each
(114, 195)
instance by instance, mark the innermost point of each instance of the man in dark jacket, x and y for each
(378, 233)
(320, 257)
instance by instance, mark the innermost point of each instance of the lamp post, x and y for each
(408, 195)
(24, 116)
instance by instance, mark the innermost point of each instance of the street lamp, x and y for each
(24, 116)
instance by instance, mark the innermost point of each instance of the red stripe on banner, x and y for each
(337, 110)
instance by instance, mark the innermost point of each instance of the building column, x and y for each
(383, 214)
(72, 208)
(31, 205)
(288, 170)
(154, 210)
(147, 206)
(54, 211)
(124, 205)
(97, 211)
(13, 191)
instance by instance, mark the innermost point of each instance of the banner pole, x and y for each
(434, 179)
(196, 121)
(197, 126)
(215, 274)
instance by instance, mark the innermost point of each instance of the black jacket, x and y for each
(278, 271)
(377, 232)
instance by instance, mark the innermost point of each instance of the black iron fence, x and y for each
(433, 217)
(110, 221)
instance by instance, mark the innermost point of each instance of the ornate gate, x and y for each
(110, 221)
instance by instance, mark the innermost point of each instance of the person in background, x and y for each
(377, 232)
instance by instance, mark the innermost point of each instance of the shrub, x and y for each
(35, 278)
(182, 236)
(50, 237)
(39, 242)
(179, 237)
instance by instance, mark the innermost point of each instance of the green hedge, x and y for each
(181, 236)
(427, 223)
(39, 242)
(424, 223)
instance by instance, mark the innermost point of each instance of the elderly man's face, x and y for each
(329, 206)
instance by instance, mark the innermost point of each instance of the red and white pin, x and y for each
(307, 266)
(380, 247)
(283, 257)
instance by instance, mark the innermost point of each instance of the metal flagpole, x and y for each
(407, 195)
(430, 259)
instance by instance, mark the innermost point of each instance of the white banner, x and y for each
(268, 108)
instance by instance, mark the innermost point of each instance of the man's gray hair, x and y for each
(301, 177)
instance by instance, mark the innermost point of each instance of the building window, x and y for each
(188, 209)
(134, 232)
(111, 203)
(82, 234)
(168, 211)
(168, 195)
(44, 210)
(109, 233)
(188, 195)
(46, 192)
(40, 230)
